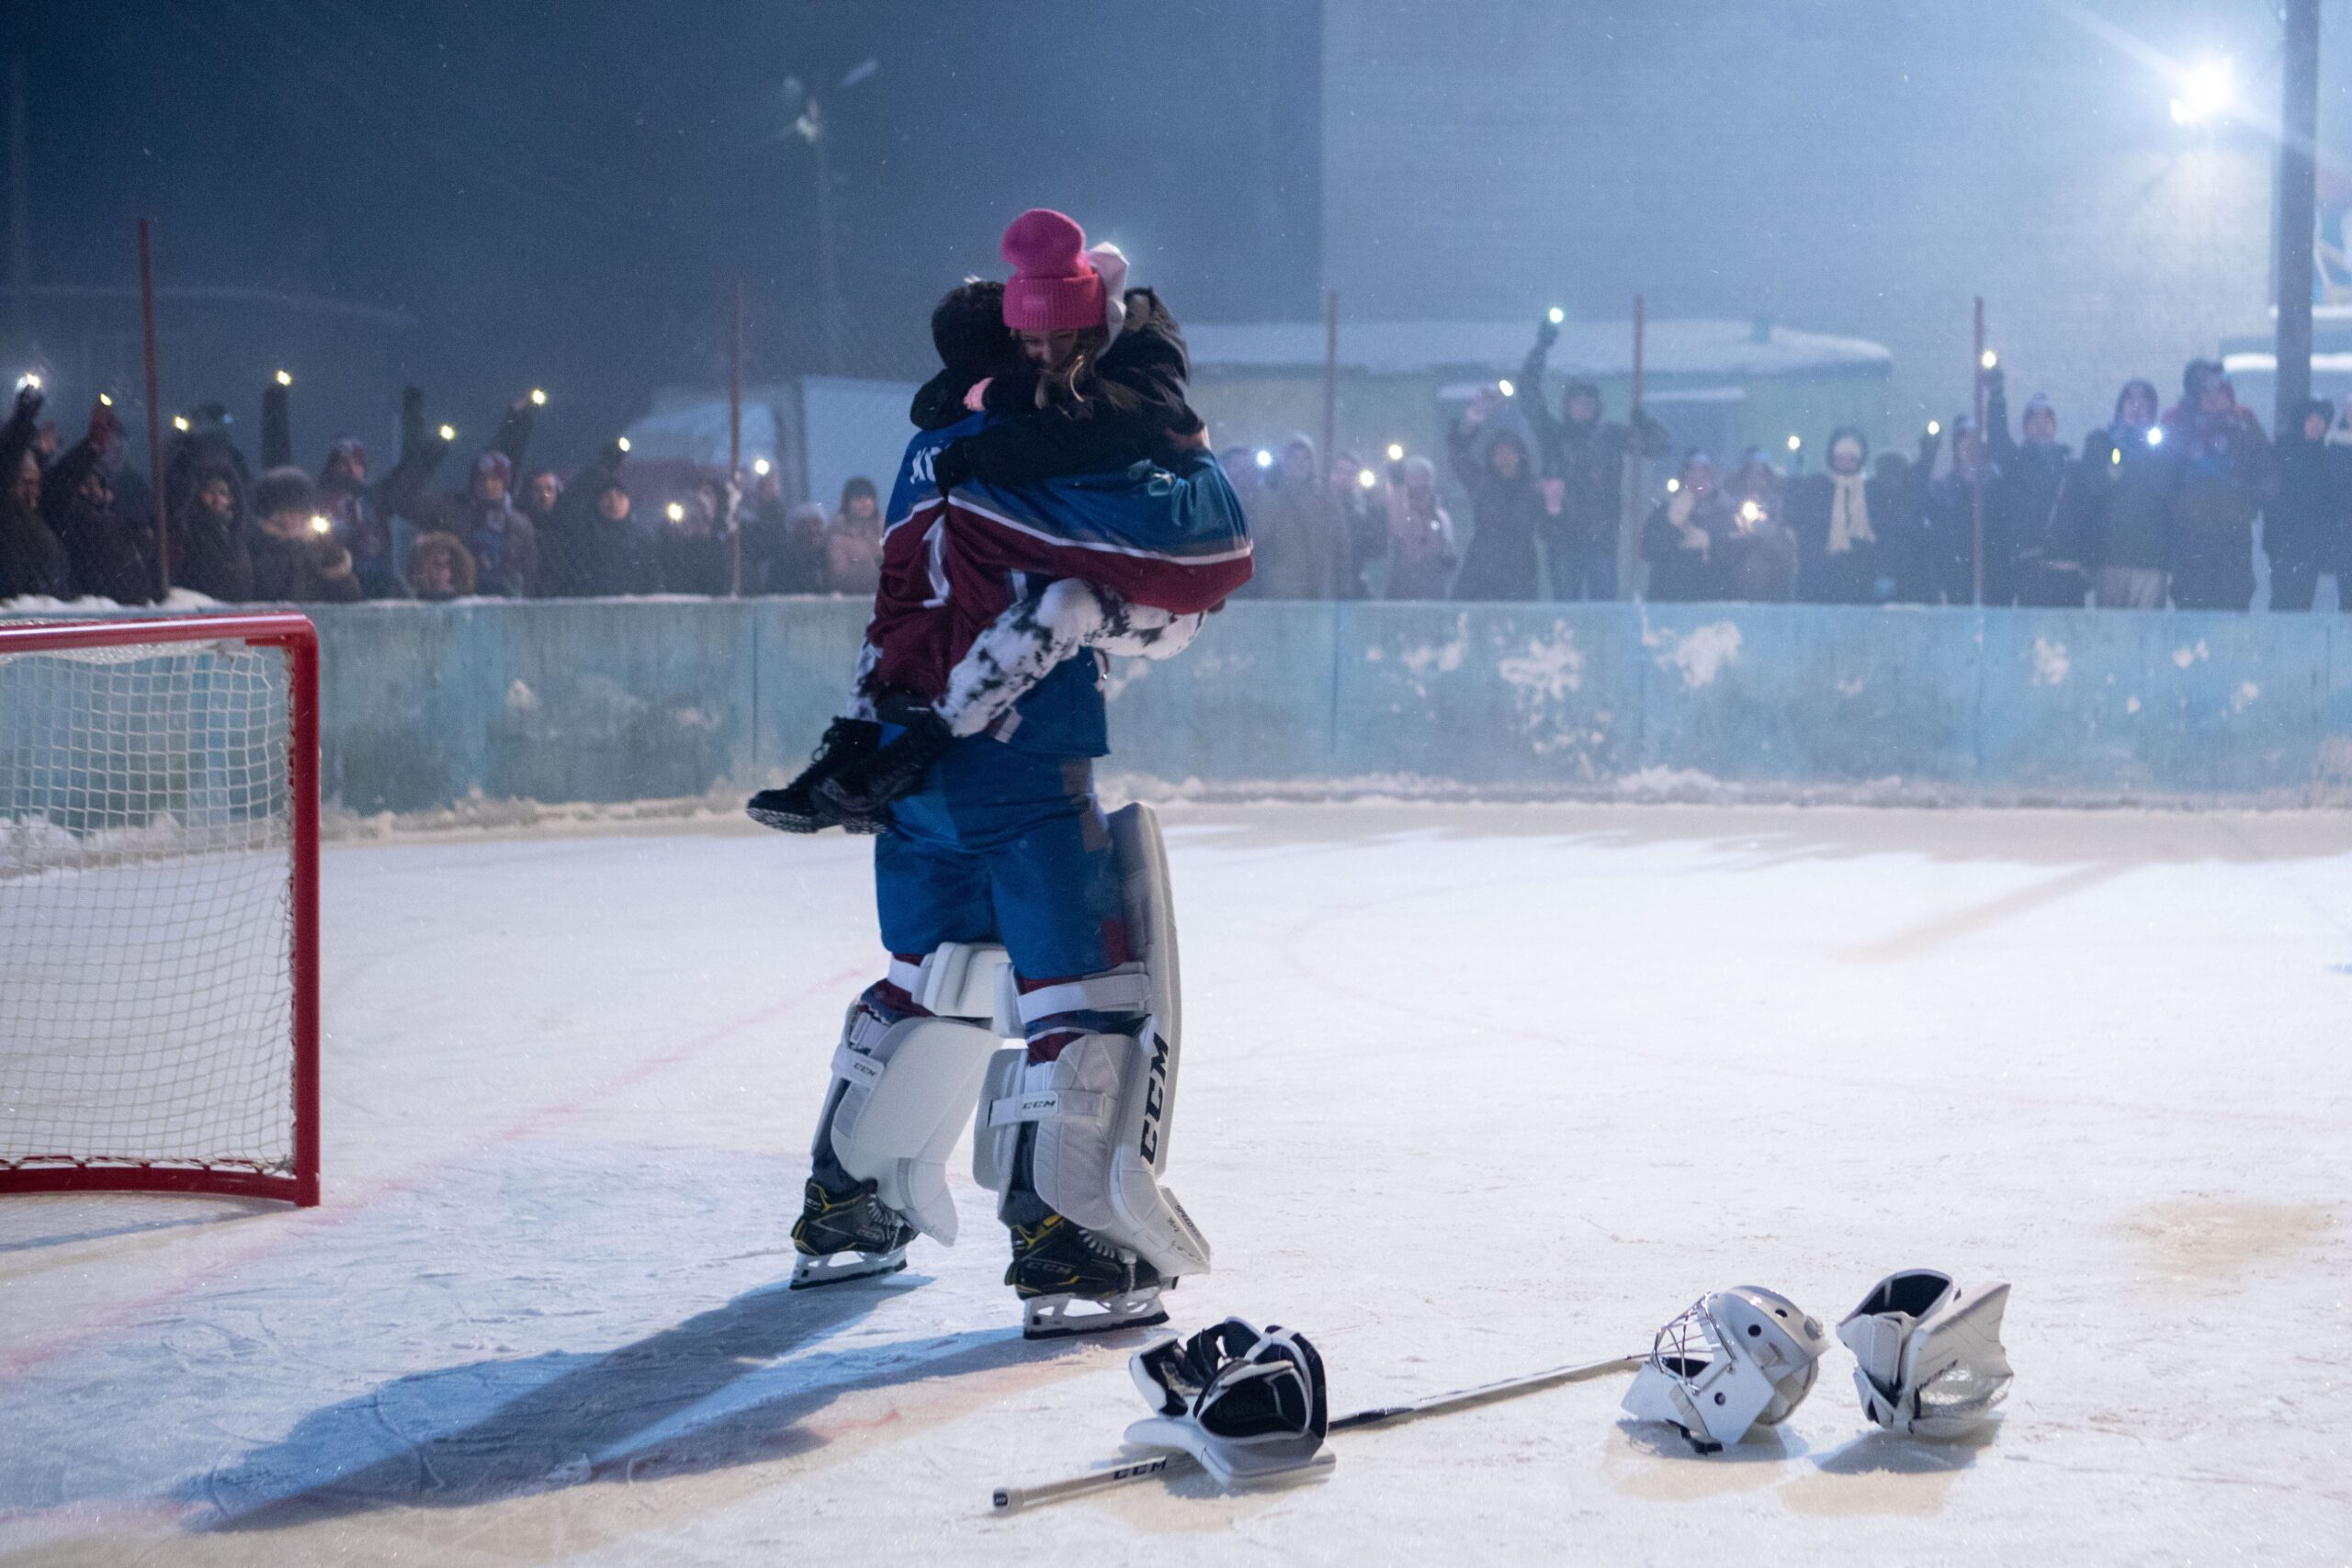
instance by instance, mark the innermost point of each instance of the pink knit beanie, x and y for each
(1054, 287)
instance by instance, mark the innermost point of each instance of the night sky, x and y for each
(561, 193)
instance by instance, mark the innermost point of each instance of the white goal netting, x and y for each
(146, 923)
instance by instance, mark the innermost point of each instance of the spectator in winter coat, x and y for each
(2225, 473)
(2126, 482)
(1760, 555)
(32, 562)
(1506, 507)
(1684, 536)
(210, 552)
(854, 541)
(205, 444)
(1584, 454)
(796, 562)
(587, 546)
(111, 554)
(296, 559)
(2048, 565)
(1943, 548)
(439, 568)
(690, 553)
(2305, 524)
(483, 517)
(1363, 524)
(1421, 555)
(1836, 517)
(1298, 538)
(362, 524)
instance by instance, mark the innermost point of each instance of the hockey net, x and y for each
(158, 906)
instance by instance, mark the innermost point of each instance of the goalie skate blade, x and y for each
(840, 1268)
(1064, 1317)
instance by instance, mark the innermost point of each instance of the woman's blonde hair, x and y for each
(1075, 380)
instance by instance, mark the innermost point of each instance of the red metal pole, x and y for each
(1976, 482)
(735, 445)
(302, 785)
(155, 411)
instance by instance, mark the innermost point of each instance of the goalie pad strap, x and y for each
(1049, 1105)
(1125, 991)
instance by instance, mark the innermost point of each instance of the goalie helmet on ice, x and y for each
(1734, 1360)
(1930, 1362)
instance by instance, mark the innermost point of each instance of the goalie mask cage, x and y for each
(158, 893)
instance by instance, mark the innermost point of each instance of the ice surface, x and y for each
(1468, 1091)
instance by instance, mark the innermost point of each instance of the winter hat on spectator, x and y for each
(1057, 283)
(2039, 403)
(283, 490)
(495, 462)
(346, 450)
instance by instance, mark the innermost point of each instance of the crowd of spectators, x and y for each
(79, 521)
(2157, 507)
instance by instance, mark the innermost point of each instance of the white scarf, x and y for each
(1679, 510)
(1850, 512)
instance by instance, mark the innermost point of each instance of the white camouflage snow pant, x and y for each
(1022, 645)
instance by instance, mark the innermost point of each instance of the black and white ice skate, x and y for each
(797, 807)
(847, 1235)
(1071, 1282)
(865, 786)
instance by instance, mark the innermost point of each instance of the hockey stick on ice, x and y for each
(1011, 1499)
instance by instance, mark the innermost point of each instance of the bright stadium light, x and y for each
(2209, 90)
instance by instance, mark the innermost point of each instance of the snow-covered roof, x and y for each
(1677, 345)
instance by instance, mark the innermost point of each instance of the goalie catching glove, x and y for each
(1929, 1353)
(1246, 1405)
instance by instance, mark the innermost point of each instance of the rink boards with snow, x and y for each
(1468, 1091)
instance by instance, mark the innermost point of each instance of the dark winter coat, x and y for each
(2127, 483)
(110, 554)
(1851, 576)
(1136, 404)
(581, 554)
(1499, 563)
(783, 548)
(209, 553)
(2308, 521)
(1679, 574)
(1940, 568)
(693, 560)
(310, 569)
(32, 561)
(1760, 559)
(2225, 473)
(1589, 459)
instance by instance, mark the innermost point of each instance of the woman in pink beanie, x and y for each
(1103, 376)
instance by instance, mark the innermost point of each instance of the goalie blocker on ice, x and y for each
(1074, 1147)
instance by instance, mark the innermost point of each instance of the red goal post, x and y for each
(159, 906)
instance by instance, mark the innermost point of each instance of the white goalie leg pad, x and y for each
(1929, 1353)
(1104, 1106)
(905, 1088)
